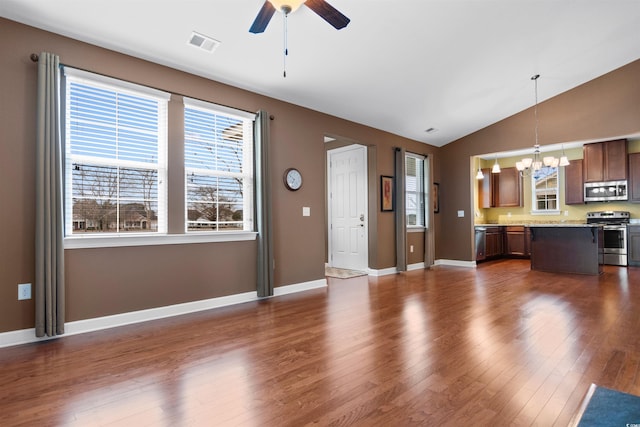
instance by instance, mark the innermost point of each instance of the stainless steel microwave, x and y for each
(605, 191)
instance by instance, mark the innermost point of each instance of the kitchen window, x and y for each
(545, 191)
(115, 156)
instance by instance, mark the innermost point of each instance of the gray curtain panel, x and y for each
(49, 283)
(429, 236)
(401, 221)
(264, 225)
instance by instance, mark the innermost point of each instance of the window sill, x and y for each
(82, 242)
(557, 212)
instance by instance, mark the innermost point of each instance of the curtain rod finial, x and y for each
(34, 57)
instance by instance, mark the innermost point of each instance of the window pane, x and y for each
(114, 169)
(545, 189)
(414, 190)
(218, 170)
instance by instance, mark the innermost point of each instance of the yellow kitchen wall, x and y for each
(568, 213)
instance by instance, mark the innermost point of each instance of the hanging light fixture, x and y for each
(496, 166)
(479, 175)
(529, 165)
(564, 161)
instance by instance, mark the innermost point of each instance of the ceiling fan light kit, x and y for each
(323, 9)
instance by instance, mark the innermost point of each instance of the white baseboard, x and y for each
(25, 336)
(417, 266)
(456, 263)
(383, 272)
(305, 286)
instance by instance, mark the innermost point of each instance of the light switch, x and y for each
(460, 214)
(306, 211)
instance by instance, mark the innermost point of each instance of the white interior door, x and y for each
(348, 222)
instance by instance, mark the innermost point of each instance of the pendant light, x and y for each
(496, 166)
(479, 175)
(529, 165)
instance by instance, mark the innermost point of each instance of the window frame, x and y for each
(124, 239)
(100, 82)
(421, 196)
(535, 191)
(247, 173)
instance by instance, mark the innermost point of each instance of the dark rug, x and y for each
(611, 408)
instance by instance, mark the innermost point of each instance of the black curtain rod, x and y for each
(34, 57)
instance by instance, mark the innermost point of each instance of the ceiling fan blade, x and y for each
(329, 13)
(263, 18)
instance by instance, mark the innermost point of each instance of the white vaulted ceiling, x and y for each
(400, 66)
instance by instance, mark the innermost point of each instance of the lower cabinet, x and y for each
(633, 245)
(503, 241)
(494, 244)
(517, 244)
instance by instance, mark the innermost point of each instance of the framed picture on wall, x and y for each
(386, 193)
(436, 197)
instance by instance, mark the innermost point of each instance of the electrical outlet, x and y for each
(24, 291)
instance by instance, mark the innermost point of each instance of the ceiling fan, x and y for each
(327, 12)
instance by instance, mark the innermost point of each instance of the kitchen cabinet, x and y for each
(485, 190)
(634, 177)
(509, 187)
(605, 161)
(574, 184)
(516, 241)
(494, 242)
(498, 190)
(633, 245)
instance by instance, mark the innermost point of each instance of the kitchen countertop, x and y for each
(537, 224)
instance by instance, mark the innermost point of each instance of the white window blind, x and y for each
(218, 158)
(115, 167)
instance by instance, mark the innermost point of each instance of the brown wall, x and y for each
(114, 280)
(604, 108)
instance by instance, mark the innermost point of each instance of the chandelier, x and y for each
(532, 165)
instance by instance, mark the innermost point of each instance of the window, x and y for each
(415, 190)
(544, 191)
(218, 160)
(115, 156)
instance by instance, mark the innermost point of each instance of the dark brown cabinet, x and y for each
(494, 243)
(485, 190)
(509, 187)
(500, 190)
(573, 183)
(605, 161)
(634, 177)
(516, 241)
(633, 245)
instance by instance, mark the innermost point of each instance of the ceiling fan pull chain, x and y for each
(286, 47)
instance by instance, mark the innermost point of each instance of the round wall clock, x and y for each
(292, 179)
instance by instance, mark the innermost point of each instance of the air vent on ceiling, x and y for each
(203, 42)
(431, 130)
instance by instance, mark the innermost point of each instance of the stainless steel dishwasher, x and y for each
(481, 238)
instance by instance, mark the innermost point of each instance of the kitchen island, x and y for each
(567, 248)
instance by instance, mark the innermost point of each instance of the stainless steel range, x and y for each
(615, 234)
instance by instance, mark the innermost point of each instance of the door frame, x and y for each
(331, 152)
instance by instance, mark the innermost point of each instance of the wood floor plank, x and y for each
(495, 345)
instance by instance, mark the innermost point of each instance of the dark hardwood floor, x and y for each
(492, 346)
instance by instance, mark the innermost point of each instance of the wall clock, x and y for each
(292, 179)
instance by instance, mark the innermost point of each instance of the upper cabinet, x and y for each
(498, 190)
(573, 184)
(605, 161)
(634, 177)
